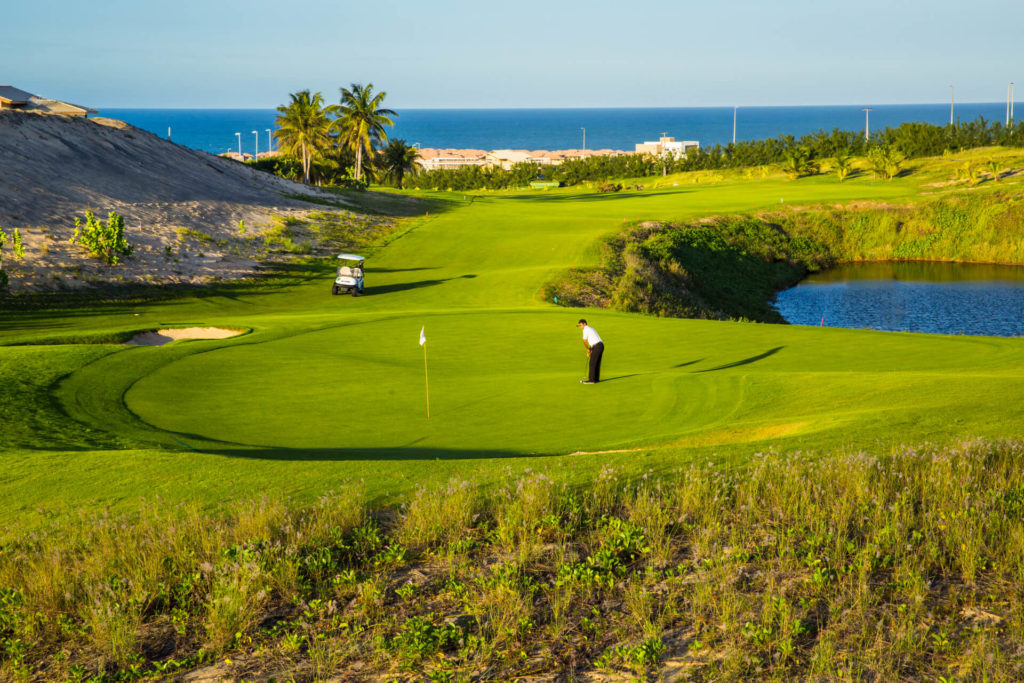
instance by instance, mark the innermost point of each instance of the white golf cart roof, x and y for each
(351, 257)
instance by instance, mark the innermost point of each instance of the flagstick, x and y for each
(426, 379)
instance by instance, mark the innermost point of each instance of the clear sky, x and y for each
(514, 53)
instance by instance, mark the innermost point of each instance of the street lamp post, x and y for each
(1010, 121)
(270, 142)
(734, 125)
(584, 138)
(256, 137)
(1008, 105)
(866, 114)
(239, 136)
(952, 91)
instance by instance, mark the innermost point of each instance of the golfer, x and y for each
(595, 349)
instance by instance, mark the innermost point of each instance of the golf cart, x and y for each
(350, 275)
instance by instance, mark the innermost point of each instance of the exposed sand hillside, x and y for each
(53, 168)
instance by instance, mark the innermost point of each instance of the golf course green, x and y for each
(324, 389)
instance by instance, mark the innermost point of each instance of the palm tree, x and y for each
(843, 164)
(397, 159)
(361, 121)
(799, 162)
(303, 128)
(886, 161)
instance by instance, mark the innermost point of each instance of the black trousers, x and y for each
(596, 352)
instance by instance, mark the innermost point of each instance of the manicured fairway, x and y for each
(327, 389)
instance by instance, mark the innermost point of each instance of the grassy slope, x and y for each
(328, 389)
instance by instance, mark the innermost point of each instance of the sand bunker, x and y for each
(161, 337)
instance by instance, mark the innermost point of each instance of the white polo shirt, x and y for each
(591, 336)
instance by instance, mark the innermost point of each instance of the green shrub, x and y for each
(3, 273)
(19, 247)
(105, 241)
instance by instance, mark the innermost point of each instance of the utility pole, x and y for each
(1012, 95)
(734, 125)
(256, 137)
(584, 138)
(866, 123)
(952, 91)
(239, 136)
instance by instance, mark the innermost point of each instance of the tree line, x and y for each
(885, 150)
(339, 144)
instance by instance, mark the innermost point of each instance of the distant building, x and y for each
(15, 98)
(666, 145)
(433, 159)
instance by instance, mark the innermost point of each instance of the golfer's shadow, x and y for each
(745, 361)
(402, 286)
(612, 379)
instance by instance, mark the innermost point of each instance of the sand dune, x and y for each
(53, 168)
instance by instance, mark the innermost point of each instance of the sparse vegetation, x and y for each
(848, 566)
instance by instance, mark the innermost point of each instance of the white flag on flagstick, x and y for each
(423, 335)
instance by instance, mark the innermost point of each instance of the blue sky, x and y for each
(527, 53)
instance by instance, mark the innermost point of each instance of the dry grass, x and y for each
(897, 566)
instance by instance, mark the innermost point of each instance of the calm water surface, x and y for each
(938, 298)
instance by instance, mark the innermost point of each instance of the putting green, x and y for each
(513, 379)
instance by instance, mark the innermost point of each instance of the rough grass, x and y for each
(850, 566)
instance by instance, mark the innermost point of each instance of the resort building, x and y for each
(432, 159)
(667, 145)
(15, 98)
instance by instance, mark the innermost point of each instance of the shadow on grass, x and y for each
(361, 454)
(371, 270)
(393, 203)
(745, 361)
(113, 298)
(595, 197)
(402, 286)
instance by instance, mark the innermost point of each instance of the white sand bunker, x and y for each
(161, 337)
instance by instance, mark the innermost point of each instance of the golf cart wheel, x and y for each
(334, 289)
(355, 291)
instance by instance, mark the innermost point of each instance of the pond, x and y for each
(933, 297)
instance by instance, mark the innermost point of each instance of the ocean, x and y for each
(214, 130)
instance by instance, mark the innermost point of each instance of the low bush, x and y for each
(727, 269)
(105, 241)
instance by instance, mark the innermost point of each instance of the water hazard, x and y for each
(932, 297)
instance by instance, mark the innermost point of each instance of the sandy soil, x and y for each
(161, 337)
(54, 168)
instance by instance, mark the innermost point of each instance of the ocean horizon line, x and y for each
(586, 108)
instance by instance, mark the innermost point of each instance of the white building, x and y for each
(667, 145)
